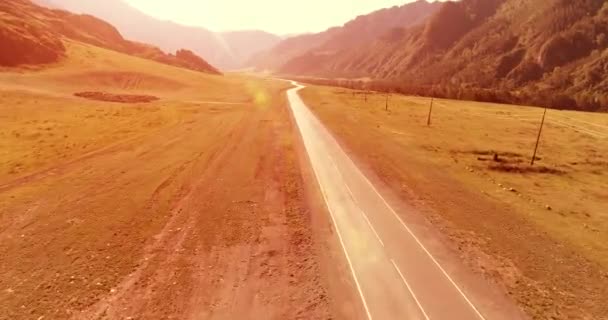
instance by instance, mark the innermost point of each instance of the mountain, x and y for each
(227, 50)
(339, 40)
(35, 35)
(288, 49)
(551, 53)
(245, 44)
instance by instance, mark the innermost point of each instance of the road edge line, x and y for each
(410, 289)
(420, 244)
(352, 196)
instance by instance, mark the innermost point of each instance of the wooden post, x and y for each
(428, 120)
(540, 130)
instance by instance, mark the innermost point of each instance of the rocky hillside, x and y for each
(550, 53)
(31, 35)
(339, 41)
(226, 50)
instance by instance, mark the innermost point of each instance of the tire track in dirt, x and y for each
(80, 194)
(76, 162)
(239, 241)
(162, 250)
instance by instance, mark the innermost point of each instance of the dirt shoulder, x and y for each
(495, 220)
(204, 218)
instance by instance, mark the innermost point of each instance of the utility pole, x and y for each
(386, 106)
(428, 120)
(540, 130)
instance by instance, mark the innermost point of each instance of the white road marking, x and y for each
(352, 196)
(372, 227)
(343, 154)
(352, 269)
(424, 248)
(410, 290)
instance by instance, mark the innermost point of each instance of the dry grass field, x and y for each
(187, 206)
(43, 122)
(541, 231)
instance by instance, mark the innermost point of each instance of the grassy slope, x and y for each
(553, 261)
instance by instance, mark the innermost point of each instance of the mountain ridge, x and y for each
(362, 29)
(222, 49)
(36, 34)
(549, 53)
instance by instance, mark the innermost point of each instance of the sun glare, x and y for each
(278, 16)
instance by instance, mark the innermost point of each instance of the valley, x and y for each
(425, 160)
(228, 50)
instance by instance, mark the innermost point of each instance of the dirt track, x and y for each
(203, 219)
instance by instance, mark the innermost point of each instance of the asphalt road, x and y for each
(396, 275)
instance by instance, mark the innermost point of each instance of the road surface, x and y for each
(396, 276)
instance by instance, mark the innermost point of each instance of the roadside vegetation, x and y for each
(541, 231)
(582, 101)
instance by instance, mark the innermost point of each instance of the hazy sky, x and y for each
(277, 16)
